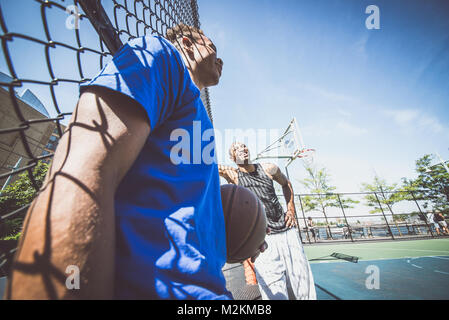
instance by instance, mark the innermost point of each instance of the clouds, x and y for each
(355, 117)
(350, 129)
(359, 47)
(402, 117)
(409, 120)
(326, 94)
(334, 127)
(344, 112)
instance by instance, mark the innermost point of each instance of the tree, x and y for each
(17, 195)
(380, 193)
(318, 183)
(400, 217)
(431, 185)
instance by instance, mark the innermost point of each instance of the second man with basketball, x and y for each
(282, 271)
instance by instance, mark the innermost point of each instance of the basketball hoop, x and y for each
(305, 153)
(289, 146)
(307, 156)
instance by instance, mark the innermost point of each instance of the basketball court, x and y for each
(407, 270)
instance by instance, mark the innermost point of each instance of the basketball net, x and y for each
(289, 146)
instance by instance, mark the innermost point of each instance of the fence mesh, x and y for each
(48, 49)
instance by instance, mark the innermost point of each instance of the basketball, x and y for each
(245, 222)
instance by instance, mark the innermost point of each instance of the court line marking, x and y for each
(363, 260)
(408, 260)
(441, 272)
(437, 257)
(415, 258)
(398, 249)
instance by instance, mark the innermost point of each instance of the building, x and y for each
(41, 137)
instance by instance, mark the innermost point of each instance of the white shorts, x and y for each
(283, 270)
(443, 224)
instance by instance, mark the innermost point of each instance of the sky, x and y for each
(369, 101)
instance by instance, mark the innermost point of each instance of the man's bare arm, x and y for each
(229, 173)
(71, 222)
(275, 173)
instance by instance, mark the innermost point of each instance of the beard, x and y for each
(209, 74)
(242, 160)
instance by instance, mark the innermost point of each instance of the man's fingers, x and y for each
(262, 248)
(287, 220)
(253, 259)
(290, 220)
(295, 223)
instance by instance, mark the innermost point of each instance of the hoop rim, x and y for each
(304, 153)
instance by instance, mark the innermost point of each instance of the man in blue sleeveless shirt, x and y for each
(123, 214)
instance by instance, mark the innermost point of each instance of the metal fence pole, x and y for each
(296, 217)
(325, 217)
(10, 177)
(304, 217)
(327, 223)
(297, 222)
(389, 208)
(344, 215)
(383, 213)
(422, 214)
(100, 21)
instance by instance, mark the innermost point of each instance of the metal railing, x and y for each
(369, 216)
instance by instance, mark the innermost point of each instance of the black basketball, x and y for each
(245, 222)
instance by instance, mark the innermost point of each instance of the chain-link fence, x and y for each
(48, 49)
(370, 216)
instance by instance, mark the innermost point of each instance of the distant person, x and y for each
(283, 265)
(311, 227)
(439, 219)
(431, 220)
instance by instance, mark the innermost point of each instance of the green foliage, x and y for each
(10, 227)
(400, 217)
(17, 195)
(322, 224)
(431, 185)
(14, 236)
(318, 183)
(383, 195)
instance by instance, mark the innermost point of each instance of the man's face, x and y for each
(209, 67)
(241, 153)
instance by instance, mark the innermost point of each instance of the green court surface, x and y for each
(382, 250)
(393, 270)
